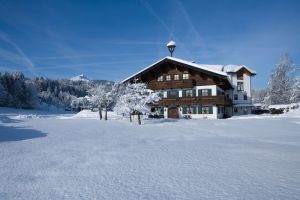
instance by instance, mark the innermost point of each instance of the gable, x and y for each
(171, 67)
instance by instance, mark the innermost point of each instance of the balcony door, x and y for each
(173, 112)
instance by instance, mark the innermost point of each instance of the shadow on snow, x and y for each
(11, 133)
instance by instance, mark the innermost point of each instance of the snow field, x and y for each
(73, 158)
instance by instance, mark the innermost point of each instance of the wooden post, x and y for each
(100, 113)
(139, 118)
(130, 117)
(105, 117)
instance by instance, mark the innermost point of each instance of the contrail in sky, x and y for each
(29, 63)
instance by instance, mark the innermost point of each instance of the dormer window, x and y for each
(160, 78)
(185, 76)
(168, 77)
(176, 77)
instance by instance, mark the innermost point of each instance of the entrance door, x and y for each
(173, 112)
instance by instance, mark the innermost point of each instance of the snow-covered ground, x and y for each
(81, 157)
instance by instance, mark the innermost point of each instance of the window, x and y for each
(161, 94)
(158, 111)
(236, 97)
(207, 110)
(245, 97)
(235, 110)
(204, 92)
(161, 111)
(168, 77)
(240, 86)
(173, 93)
(189, 110)
(220, 110)
(185, 76)
(160, 78)
(189, 93)
(176, 77)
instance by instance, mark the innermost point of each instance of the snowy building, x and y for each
(195, 90)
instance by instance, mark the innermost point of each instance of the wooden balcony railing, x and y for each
(161, 85)
(214, 100)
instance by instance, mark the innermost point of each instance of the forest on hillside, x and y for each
(18, 91)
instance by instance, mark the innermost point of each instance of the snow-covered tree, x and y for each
(104, 97)
(259, 95)
(136, 100)
(295, 97)
(3, 95)
(80, 103)
(98, 97)
(280, 84)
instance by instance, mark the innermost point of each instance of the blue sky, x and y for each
(113, 39)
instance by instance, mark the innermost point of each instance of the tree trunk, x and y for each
(139, 118)
(130, 117)
(100, 113)
(105, 117)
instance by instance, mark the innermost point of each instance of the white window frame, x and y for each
(160, 78)
(185, 76)
(204, 92)
(240, 86)
(168, 77)
(189, 93)
(176, 77)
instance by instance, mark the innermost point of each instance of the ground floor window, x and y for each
(206, 110)
(159, 111)
(189, 110)
(220, 110)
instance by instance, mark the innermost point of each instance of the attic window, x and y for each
(160, 78)
(185, 76)
(168, 77)
(176, 77)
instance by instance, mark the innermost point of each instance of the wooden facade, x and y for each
(207, 100)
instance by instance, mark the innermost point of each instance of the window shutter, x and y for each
(199, 109)
(184, 93)
(210, 110)
(168, 93)
(194, 93)
(194, 110)
(183, 110)
(177, 93)
(209, 92)
(199, 93)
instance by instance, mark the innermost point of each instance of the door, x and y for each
(173, 112)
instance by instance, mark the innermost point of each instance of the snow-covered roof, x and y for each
(199, 66)
(221, 70)
(209, 68)
(235, 68)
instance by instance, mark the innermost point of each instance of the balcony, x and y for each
(161, 85)
(214, 100)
